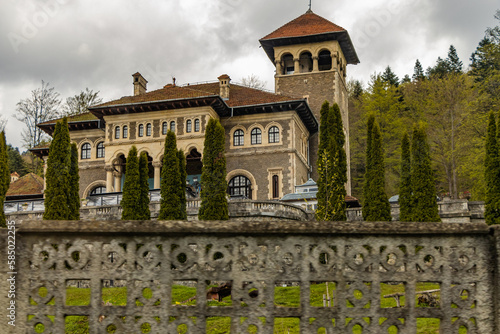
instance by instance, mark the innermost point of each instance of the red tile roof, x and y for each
(238, 96)
(305, 25)
(86, 116)
(30, 184)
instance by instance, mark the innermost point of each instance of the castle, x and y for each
(271, 138)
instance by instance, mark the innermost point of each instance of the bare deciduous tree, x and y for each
(253, 81)
(80, 103)
(41, 106)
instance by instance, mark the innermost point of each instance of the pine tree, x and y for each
(58, 178)
(182, 186)
(74, 196)
(214, 204)
(170, 205)
(368, 169)
(144, 213)
(131, 188)
(424, 204)
(4, 177)
(332, 166)
(390, 77)
(454, 63)
(418, 71)
(405, 191)
(492, 174)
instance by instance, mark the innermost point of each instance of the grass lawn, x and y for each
(284, 297)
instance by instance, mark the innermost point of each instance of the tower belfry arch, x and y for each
(311, 55)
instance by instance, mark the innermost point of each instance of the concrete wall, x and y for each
(363, 258)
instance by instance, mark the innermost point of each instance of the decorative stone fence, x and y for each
(359, 259)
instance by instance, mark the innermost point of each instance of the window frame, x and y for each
(256, 136)
(273, 135)
(149, 130)
(189, 126)
(140, 130)
(118, 132)
(86, 151)
(125, 131)
(197, 125)
(245, 187)
(164, 128)
(100, 151)
(172, 126)
(238, 140)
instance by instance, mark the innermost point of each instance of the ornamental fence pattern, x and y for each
(252, 261)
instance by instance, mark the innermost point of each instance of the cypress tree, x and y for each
(131, 188)
(425, 208)
(405, 191)
(170, 205)
(58, 178)
(332, 166)
(4, 177)
(182, 186)
(74, 196)
(380, 209)
(213, 176)
(368, 169)
(144, 212)
(492, 174)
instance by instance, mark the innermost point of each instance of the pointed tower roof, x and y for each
(309, 28)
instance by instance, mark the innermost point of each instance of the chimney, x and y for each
(140, 84)
(224, 81)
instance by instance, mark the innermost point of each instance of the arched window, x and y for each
(188, 125)
(197, 125)
(98, 190)
(125, 131)
(240, 186)
(306, 62)
(85, 151)
(238, 138)
(117, 132)
(325, 61)
(141, 130)
(100, 150)
(288, 64)
(164, 128)
(274, 134)
(148, 129)
(172, 126)
(256, 136)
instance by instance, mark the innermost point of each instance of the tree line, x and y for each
(453, 101)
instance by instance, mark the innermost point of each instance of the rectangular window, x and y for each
(276, 190)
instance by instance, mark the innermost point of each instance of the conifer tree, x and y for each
(418, 71)
(144, 212)
(182, 186)
(58, 177)
(74, 197)
(131, 200)
(390, 77)
(214, 204)
(379, 207)
(405, 191)
(454, 63)
(368, 169)
(170, 205)
(492, 174)
(332, 166)
(424, 204)
(4, 177)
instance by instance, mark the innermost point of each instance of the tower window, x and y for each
(306, 62)
(325, 60)
(85, 151)
(288, 65)
(274, 134)
(125, 131)
(197, 125)
(141, 130)
(188, 125)
(148, 129)
(117, 132)
(256, 136)
(238, 138)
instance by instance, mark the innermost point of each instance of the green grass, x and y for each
(284, 297)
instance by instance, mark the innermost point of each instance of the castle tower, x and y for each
(311, 55)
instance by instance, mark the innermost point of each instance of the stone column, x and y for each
(315, 64)
(118, 179)
(279, 69)
(296, 65)
(157, 167)
(109, 178)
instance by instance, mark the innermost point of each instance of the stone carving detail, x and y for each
(149, 266)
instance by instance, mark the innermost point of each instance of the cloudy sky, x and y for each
(74, 44)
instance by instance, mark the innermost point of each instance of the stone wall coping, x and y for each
(251, 227)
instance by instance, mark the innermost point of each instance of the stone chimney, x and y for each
(140, 84)
(224, 85)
